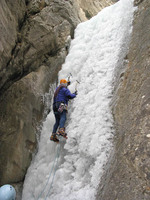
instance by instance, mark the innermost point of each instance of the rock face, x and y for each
(37, 31)
(128, 175)
(90, 7)
(33, 45)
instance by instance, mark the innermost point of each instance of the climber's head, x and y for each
(7, 192)
(63, 81)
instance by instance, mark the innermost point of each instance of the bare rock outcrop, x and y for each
(91, 8)
(19, 120)
(34, 42)
(128, 176)
(12, 15)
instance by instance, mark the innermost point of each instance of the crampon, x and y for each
(54, 138)
(62, 133)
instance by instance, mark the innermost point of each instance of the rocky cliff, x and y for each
(128, 174)
(34, 42)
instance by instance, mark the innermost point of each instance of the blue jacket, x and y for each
(63, 95)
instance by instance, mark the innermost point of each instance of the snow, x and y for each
(72, 170)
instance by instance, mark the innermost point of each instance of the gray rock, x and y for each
(10, 22)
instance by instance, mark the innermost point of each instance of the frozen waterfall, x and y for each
(72, 169)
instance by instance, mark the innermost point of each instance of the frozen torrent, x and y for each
(72, 169)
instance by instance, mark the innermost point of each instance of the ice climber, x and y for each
(60, 104)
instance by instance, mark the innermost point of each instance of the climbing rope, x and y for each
(58, 153)
(54, 167)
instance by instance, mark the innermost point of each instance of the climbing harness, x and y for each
(54, 167)
(62, 107)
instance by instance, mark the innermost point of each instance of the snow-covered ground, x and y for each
(72, 170)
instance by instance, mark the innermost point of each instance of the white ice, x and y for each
(72, 170)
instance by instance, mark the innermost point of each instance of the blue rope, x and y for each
(58, 152)
(55, 159)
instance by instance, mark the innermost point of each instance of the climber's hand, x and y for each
(68, 83)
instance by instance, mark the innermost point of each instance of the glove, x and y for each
(68, 83)
(76, 92)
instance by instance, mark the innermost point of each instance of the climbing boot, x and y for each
(54, 137)
(61, 132)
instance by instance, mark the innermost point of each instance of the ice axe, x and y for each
(69, 78)
(77, 82)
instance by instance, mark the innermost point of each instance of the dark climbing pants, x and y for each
(60, 120)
